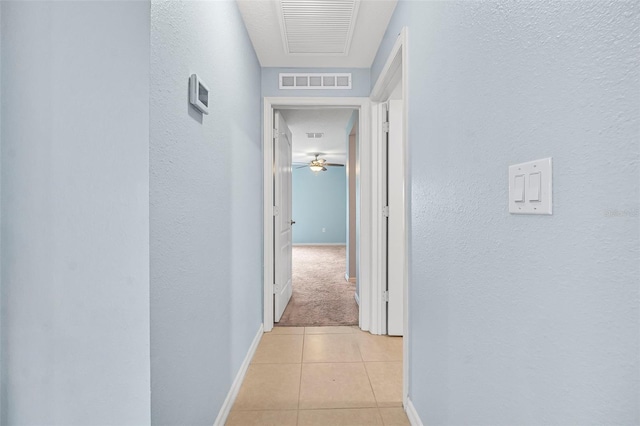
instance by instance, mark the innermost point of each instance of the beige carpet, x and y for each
(321, 295)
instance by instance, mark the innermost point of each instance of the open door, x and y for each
(396, 227)
(282, 237)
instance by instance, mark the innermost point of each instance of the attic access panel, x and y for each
(318, 27)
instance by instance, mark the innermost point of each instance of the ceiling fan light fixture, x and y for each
(316, 168)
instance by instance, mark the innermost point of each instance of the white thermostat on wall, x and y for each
(198, 94)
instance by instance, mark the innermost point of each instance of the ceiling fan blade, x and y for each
(334, 164)
(301, 167)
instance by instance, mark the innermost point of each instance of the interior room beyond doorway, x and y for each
(323, 144)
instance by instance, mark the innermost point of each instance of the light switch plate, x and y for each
(537, 184)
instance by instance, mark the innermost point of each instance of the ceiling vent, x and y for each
(317, 27)
(315, 135)
(315, 81)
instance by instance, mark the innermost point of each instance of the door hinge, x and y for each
(276, 289)
(275, 133)
(385, 211)
(276, 211)
(385, 295)
(385, 127)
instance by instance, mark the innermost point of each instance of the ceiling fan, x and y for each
(319, 164)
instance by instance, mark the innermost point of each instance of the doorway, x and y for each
(323, 200)
(371, 250)
(390, 120)
(363, 217)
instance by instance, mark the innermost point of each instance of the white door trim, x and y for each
(396, 68)
(366, 187)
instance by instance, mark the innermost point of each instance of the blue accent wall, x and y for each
(514, 319)
(319, 201)
(360, 83)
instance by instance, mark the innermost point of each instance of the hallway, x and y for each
(322, 376)
(136, 220)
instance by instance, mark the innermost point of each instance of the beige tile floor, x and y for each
(328, 376)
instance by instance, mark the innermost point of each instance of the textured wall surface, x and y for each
(319, 201)
(359, 83)
(2, 343)
(206, 208)
(75, 218)
(523, 319)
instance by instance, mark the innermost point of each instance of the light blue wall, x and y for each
(353, 120)
(75, 213)
(360, 83)
(319, 201)
(206, 209)
(2, 343)
(523, 320)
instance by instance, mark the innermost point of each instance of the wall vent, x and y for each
(318, 27)
(315, 81)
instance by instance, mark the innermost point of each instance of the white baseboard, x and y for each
(352, 280)
(412, 414)
(237, 383)
(357, 298)
(319, 244)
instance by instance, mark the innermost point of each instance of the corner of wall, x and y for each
(2, 375)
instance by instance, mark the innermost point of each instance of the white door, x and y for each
(396, 221)
(282, 216)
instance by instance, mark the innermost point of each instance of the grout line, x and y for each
(265, 409)
(371, 385)
(304, 337)
(341, 408)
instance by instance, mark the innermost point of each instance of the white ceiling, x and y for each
(331, 122)
(263, 21)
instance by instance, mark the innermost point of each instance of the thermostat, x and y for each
(198, 94)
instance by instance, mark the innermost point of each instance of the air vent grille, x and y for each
(317, 27)
(315, 81)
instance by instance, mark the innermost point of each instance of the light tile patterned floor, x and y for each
(327, 376)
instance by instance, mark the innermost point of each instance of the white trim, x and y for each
(319, 244)
(404, 35)
(365, 263)
(349, 279)
(237, 383)
(412, 414)
(378, 304)
(355, 295)
(389, 74)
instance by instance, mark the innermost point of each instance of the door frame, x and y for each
(364, 254)
(395, 69)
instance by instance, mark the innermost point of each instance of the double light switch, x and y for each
(530, 190)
